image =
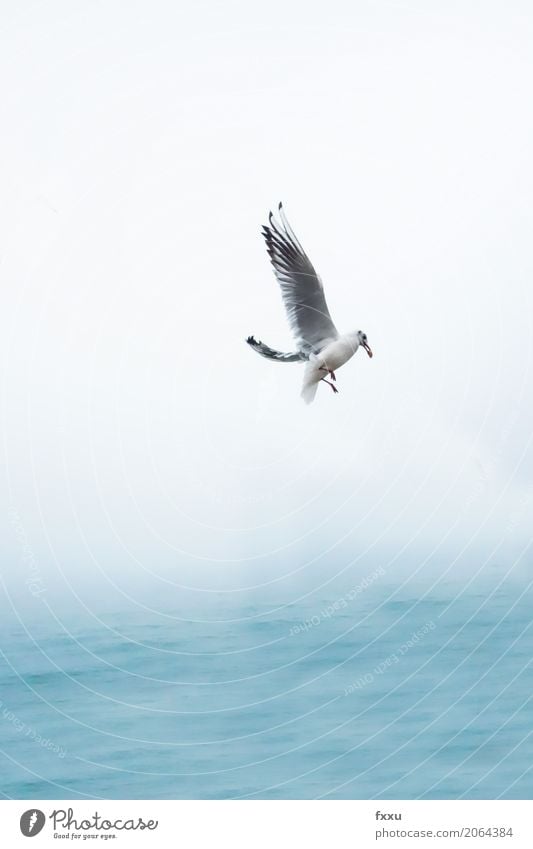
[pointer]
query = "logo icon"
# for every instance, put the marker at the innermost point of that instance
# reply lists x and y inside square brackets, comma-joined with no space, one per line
[32,822]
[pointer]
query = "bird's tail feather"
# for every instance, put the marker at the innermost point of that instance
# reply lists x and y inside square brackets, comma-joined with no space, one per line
[271,354]
[310,384]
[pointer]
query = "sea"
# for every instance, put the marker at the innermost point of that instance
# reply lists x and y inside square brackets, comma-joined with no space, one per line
[361,693]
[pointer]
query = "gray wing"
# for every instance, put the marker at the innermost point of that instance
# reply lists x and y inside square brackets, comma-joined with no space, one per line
[301,287]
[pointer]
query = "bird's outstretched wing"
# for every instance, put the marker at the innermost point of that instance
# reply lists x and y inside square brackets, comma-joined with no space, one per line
[301,287]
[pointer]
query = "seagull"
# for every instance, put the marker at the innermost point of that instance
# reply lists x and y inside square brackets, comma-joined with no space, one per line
[318,342]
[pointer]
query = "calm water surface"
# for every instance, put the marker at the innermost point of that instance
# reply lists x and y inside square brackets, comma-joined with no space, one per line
[339,697]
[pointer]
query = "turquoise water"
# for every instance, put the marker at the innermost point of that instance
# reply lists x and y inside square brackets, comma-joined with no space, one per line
[357,694]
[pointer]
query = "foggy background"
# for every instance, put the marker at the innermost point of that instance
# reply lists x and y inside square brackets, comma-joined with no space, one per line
[151,458]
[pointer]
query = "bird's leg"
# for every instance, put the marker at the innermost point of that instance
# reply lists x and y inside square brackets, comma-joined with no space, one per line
[331,374]
[336,391]
[328,371]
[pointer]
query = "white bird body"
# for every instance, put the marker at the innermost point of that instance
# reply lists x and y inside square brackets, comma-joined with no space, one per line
[318,341]
[330,358]
[337,352]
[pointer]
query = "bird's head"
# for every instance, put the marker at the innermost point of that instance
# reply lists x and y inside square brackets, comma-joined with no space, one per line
[361,337]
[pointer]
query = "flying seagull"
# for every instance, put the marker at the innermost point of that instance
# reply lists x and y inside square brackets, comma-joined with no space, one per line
[318,342]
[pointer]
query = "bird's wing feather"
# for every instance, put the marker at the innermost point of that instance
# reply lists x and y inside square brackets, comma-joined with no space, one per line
[301,287]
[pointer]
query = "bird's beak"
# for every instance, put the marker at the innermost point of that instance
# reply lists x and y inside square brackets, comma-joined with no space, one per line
[368,349]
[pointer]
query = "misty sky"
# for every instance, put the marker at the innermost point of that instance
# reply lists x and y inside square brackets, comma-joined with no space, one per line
[148,449]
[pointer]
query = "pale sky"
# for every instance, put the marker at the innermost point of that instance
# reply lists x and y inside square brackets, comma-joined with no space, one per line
[148,448]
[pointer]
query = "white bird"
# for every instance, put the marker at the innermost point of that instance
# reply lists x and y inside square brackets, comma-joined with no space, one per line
[318,341]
